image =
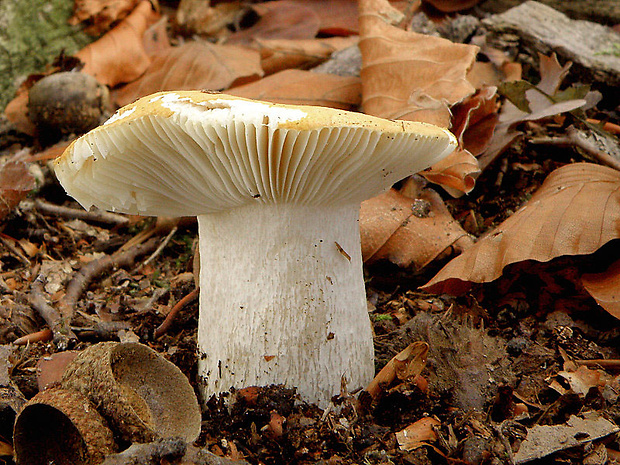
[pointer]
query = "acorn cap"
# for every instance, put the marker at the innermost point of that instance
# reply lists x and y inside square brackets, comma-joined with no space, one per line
[189,153]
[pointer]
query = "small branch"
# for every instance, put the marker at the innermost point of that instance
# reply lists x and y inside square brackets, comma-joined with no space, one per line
[161,247]
[8,243]
[82,279]
[59,325]
[165,326]
[574,138]
[603,363]
[96,216]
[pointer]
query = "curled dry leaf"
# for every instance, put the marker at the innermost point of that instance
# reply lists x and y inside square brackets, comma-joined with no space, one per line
[299,87]
[574,212]
[280,54]
[280,19]
[199,17]
[407,231]
[194,65]
[100,14]
[450,6]
[16,182]
[404,366]
[406,75]
[473,121]
[418,434]
[605,288]
[119,56]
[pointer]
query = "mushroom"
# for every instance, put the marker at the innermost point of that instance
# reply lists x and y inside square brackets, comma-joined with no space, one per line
[277,191]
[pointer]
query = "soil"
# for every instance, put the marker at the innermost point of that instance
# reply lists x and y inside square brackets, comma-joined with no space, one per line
[493,352]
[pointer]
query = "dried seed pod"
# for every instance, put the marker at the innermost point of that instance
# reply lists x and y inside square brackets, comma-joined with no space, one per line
[61,427]
[142,395]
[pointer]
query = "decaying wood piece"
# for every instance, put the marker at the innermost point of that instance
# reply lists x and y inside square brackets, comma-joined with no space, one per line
[594,49]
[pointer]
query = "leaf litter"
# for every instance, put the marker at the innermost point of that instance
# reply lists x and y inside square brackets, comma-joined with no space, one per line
[507,355]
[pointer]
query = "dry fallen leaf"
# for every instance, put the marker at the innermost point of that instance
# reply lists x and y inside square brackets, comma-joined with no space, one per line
[280,54]
[194,65]
[605,288]
[450,6]
[299,87]
[16,182]
[337,17]
[418,434]
[280,19]
[575,212]
[406,75]
[535,103]
[407,231]
[474,121]
[119,56]
[100,14]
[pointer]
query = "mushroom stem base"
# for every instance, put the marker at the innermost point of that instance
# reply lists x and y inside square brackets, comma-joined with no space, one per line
[282,300]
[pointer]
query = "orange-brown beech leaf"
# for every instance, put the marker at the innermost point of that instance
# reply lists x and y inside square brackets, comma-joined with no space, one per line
[450,6]
[418,434]
[16,182]
[406,75]
[194,65]
[407,231]
[16,112]
[473,123]
[337,17]
[575,212]
[119,56]
[605,288]
[100,14]
[298,87]
[280,19]
[280,54]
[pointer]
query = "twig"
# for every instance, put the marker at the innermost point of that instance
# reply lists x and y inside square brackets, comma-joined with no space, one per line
[603,363]
[96,216]
[82,279]
[57,323]
[162,328]
[574,138]
[161,247]
[9,245]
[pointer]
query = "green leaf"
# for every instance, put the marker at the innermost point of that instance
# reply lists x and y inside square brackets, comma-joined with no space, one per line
[514,91]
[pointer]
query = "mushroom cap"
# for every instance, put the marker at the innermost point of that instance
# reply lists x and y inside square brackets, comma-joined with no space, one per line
[190,153]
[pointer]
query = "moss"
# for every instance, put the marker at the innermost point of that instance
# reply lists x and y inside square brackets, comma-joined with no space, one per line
[32,34]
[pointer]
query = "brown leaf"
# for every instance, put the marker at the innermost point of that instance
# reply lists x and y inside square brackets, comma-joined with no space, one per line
[50,369]
[450,6]
[473,121]
[605,288]
[280,54]
[575,212]
[407,231]
[337,17]
[299,87]
[406,75]
[119,56]
[155,38]
[16,182]
[540,106]
[418,434]
[280,19]
[100,14]
[194,65]
[199,17]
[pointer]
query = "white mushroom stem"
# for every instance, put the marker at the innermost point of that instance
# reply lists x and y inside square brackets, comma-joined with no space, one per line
[282,300]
